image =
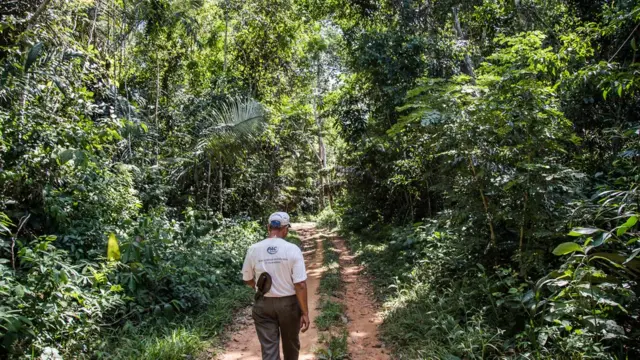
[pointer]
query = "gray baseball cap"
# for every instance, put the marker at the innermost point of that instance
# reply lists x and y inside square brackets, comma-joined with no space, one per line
[279,219]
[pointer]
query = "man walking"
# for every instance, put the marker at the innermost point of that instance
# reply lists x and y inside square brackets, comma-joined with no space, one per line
[275,268]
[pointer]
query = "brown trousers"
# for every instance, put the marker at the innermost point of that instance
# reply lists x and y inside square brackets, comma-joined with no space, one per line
[275,317]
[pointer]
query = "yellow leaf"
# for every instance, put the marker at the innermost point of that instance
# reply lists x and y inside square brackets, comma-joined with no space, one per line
[113,250]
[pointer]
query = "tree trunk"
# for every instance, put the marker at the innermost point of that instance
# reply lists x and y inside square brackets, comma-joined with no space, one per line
[93,23]
[157,105]
[522,224]
[36,15]
[226,32]
[468,64]
[485,203]
[208,187]
[322,150]
[221,179]
[195,184]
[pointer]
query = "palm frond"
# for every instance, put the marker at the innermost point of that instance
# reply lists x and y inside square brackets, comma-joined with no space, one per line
[237,119]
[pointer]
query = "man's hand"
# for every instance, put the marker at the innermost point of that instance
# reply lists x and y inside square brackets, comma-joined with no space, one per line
[301,294]
[304,322]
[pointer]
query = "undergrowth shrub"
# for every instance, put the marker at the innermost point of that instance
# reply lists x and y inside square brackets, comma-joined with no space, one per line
[52,302]
[328,218]
[56,304]
[179,337]
[442,302]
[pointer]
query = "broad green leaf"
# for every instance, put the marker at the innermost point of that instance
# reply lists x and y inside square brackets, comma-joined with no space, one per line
[566,248]
[622,229]
[65,155]
[631,221]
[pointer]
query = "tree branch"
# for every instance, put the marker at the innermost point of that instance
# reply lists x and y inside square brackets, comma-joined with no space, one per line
[38,12]
[23,221]
[467,59]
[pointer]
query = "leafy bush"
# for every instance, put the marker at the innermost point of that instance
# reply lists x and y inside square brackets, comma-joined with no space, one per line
[51,302]
[327,218]
[91,200]
[179,337]
[55,302]
[590,303]
[442,303]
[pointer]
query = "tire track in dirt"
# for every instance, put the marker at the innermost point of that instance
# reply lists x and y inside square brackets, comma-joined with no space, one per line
[361,310]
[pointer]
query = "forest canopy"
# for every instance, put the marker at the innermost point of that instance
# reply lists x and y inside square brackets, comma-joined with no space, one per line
[482,157]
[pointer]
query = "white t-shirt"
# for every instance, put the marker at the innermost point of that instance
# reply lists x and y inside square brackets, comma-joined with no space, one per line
[281,259]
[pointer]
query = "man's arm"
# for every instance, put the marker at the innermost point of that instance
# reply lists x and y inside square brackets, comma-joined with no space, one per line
[301,294]
[247,271]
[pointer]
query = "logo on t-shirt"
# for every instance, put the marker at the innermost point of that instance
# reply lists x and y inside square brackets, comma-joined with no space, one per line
[272,250]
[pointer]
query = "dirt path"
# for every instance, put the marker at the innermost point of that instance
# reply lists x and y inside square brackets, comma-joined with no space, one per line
[361,309]
[244,342]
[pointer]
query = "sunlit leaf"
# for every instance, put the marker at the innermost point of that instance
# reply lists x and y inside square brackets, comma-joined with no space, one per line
[622,229]
[113,249]
[583,231]
[566,248]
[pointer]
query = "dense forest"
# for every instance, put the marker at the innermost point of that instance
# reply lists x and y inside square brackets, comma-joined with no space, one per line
[482,157]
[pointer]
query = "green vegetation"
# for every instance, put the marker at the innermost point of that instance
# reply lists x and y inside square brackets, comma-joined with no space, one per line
[332,314]
[482,155]
[294,238]
[328,219]
[336,347]
[175,338]
[141,144]
[490,174]
[331,281]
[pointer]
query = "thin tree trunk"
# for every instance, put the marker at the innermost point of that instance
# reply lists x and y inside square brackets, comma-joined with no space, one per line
[36,15]
[226,34]
[23,103]
[157,105]
[428,199]
[330,190]
[23,221]
[522,223]
[322,151]
[485,203]
[468,64]
[208,187]
[122,40]
[93,23]
[195,182]
[220,178]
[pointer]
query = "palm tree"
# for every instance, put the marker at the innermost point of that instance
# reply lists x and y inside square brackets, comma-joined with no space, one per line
[225,130]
